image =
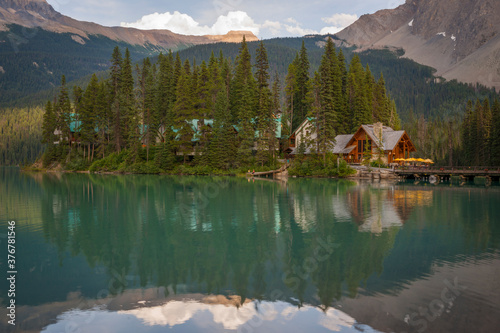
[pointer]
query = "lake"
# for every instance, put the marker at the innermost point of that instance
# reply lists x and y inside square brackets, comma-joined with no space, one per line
[131,253]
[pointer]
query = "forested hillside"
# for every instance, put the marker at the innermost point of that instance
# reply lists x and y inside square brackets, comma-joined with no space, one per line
[33,60]
[421,99]
[217,115]
[20,135]
[412,86]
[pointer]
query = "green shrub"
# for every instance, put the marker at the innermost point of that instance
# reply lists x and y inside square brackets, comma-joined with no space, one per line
[314,165]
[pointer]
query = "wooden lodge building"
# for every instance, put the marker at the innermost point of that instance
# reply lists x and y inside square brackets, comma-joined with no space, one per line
[375,139]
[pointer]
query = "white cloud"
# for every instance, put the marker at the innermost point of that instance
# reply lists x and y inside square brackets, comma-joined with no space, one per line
[341,19]
[184,24]
[295,28]
[273,26]
[236,20]
[330,30]
[299,31]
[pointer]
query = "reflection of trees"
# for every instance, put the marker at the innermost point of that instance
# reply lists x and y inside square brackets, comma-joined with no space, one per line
[212,234]
[229,236]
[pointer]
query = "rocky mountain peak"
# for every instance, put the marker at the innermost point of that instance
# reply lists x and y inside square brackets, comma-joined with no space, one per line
[449,35]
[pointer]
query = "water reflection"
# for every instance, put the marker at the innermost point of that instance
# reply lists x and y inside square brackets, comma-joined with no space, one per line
[225,246]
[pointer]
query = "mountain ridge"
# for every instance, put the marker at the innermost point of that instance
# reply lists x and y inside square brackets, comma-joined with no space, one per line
[460,39]
[40,14]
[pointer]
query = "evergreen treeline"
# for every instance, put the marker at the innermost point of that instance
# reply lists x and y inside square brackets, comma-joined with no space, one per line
[472,140]
[412,86]
[221,115]
[20,135]
[481,134]
[216,111]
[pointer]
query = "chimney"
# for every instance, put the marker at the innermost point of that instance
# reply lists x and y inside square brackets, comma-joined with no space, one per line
[378,131]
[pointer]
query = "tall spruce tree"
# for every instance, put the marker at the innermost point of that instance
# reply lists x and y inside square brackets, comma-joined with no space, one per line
[290,119]
[243,103]
[63,114]
[184,113]
[223,146]
[146,104]
[49,124]
[466,134]
[495,133]
[132,118]
[264,121]
[115,75]
[302,67]
[359,107]
[88,115]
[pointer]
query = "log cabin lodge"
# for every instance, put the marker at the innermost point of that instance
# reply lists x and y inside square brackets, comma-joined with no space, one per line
[379,140]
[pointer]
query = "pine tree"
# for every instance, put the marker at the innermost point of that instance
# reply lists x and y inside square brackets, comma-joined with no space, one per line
[302,77]
[359,108]
[146,104]
[132,118]
[495,134]
[184,113]
[343,117]
[115,75]
[380,101]
[291,121]
[203,107]
[165,90]
[49,125]
[265,123]
[324,109]
[242,103]
[89,114]
[63,114]
[165,158]
[104,116]
[467,145]
[486,133]
[222,147]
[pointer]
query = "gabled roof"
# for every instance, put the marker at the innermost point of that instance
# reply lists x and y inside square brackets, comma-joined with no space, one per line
[341,142]
[390,137]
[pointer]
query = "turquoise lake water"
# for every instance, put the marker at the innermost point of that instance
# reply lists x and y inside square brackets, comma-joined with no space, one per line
[130,253]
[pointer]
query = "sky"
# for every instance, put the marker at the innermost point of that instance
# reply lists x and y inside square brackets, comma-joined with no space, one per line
[265,18]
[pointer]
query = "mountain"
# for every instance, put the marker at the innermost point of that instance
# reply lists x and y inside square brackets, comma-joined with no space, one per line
[459,38]
[38,13]
[38,45]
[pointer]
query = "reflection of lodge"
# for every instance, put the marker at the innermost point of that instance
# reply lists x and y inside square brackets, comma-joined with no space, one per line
[392,208]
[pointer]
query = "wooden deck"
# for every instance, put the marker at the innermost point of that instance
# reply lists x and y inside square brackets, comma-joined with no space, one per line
[447,172]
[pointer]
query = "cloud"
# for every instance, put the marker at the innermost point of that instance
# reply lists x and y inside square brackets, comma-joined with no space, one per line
[296,28]
[184,24]
[236,20]
[339,21]
[330,30]
[273,26]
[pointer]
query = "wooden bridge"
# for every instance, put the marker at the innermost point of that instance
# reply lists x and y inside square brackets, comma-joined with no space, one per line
[450,173]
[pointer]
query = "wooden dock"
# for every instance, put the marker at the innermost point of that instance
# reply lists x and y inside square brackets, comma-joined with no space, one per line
[447,173]
[267,173]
